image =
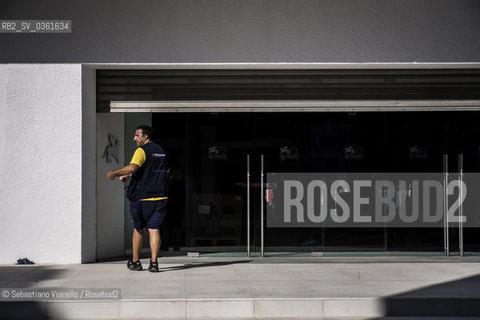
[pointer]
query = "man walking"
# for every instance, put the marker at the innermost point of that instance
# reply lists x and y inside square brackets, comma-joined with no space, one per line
[147,193]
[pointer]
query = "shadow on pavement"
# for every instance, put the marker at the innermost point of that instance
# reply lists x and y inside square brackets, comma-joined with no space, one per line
[24,277]
[202,265]
[459,298]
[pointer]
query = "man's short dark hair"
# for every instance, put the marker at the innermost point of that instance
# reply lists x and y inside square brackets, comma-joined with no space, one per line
[146,131]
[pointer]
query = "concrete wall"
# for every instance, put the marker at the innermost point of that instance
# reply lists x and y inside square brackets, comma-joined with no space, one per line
[88,164]
[110,194]
[253,31]
[41,163]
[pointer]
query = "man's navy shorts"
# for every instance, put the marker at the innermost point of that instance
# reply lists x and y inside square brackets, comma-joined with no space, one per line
[148,214]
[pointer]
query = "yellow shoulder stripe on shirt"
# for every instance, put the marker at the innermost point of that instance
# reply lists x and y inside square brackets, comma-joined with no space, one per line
[139,157]
[154,199]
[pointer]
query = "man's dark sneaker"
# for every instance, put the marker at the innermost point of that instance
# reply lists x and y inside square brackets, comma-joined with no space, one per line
[153,267]
[134,266]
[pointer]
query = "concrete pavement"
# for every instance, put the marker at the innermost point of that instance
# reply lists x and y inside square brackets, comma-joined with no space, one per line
[255,288]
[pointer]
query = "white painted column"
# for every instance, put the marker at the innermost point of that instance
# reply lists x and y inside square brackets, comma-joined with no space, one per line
[41,163]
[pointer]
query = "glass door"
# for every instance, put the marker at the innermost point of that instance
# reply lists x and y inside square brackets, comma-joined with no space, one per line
[319,143]
[216,147]
[289,143]
[419,146]
[466,132]
[211,149]
[218,144]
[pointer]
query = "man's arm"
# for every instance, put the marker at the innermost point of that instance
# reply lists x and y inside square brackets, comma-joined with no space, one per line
[127,170]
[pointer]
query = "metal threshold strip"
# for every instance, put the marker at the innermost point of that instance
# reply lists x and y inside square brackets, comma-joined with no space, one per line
[294,106]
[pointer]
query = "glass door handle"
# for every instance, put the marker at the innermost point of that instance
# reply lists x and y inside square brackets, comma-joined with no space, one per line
[262,221]
[446,242]
[261,208]
[460,209]
[248,205]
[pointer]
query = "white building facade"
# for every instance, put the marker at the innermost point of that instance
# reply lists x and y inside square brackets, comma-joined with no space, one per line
[57,205]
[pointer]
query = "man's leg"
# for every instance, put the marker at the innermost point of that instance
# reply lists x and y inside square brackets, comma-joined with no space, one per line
[155,242]
[137,243]
[153,224]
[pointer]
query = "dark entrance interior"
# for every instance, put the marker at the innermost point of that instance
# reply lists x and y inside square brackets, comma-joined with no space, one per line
[208,159]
